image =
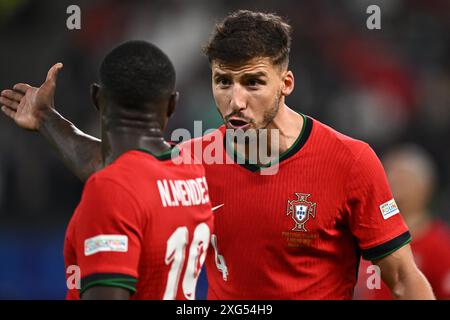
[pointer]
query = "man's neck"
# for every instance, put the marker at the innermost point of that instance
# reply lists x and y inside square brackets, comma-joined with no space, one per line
[116,143]
[289,125]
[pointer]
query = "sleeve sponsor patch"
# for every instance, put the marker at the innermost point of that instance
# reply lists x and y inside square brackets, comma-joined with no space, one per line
[389,209]
[106,243]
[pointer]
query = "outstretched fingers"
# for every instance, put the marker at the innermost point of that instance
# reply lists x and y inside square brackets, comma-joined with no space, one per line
[8,112]
[12,95]
[7,102]
[21,87]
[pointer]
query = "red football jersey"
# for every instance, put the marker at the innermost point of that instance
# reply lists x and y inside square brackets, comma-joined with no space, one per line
[143,223]
[431,251]
[298,234]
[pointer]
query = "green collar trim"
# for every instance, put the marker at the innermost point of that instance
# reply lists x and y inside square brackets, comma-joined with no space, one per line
[165,155]
[296,146]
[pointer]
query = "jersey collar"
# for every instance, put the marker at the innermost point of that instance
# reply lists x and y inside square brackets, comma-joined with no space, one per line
[298,144]
[173,152]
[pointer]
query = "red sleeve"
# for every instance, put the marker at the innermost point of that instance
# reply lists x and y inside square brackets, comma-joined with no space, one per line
[107,235]
[375,220]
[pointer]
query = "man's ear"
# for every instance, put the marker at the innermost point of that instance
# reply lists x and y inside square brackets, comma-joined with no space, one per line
[95,95]
[173,100]
[288,83]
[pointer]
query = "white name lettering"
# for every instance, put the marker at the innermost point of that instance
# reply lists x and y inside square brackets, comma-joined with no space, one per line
[191,192]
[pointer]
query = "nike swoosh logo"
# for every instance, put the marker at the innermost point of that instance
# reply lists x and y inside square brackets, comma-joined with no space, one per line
[217,207]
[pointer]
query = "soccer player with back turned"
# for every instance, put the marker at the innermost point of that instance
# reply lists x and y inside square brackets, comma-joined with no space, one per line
[133,234]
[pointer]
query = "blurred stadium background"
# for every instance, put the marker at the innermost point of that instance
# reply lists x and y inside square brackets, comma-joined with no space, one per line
[386,87]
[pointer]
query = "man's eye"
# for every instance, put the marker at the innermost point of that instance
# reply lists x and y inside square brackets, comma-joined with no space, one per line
[223,82]
[254,82]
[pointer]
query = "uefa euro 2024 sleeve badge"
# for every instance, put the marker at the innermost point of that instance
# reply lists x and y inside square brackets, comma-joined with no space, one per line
[301,209]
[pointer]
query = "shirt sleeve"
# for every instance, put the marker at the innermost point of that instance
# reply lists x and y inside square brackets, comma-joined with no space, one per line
[108,235]
[375,219]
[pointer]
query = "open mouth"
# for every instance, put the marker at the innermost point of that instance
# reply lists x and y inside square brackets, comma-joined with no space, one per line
[238,123]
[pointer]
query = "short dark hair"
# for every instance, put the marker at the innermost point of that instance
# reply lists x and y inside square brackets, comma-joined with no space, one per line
[137,72]
[244,35]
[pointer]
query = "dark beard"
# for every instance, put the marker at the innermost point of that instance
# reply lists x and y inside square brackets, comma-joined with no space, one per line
[270,114]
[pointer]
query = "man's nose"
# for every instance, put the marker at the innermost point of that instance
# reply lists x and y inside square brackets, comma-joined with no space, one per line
[238,98]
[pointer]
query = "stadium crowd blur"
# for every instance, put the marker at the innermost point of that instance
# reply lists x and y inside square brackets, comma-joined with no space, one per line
[387,87]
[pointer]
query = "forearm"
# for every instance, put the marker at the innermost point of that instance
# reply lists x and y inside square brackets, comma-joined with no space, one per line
[404,279]
[80,152]
[412,286]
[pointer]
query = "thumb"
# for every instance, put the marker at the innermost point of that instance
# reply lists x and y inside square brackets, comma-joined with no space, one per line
[52,74]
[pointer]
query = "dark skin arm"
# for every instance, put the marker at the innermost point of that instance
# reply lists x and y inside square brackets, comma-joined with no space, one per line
[33,109]
[106,293]
[80,152]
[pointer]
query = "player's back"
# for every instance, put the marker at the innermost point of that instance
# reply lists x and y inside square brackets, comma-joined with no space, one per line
[144,224]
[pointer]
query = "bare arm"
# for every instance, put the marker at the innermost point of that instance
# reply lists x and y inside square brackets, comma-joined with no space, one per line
[106,293]
[80,152]
[33,109]
[405,280]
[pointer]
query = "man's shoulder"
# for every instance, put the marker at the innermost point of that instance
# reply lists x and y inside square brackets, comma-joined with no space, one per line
[104,180]
[121,173]
[331,140]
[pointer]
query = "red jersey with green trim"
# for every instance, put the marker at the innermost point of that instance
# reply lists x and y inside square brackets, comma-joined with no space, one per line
[143,224]
[298,234]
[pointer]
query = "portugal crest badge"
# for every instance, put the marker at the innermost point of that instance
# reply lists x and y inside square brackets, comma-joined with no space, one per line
[301,209]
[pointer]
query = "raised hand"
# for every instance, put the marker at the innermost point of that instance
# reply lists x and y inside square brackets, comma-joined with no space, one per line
[27,105]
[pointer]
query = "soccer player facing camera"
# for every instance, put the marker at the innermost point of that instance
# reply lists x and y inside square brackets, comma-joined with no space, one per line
[297,233]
